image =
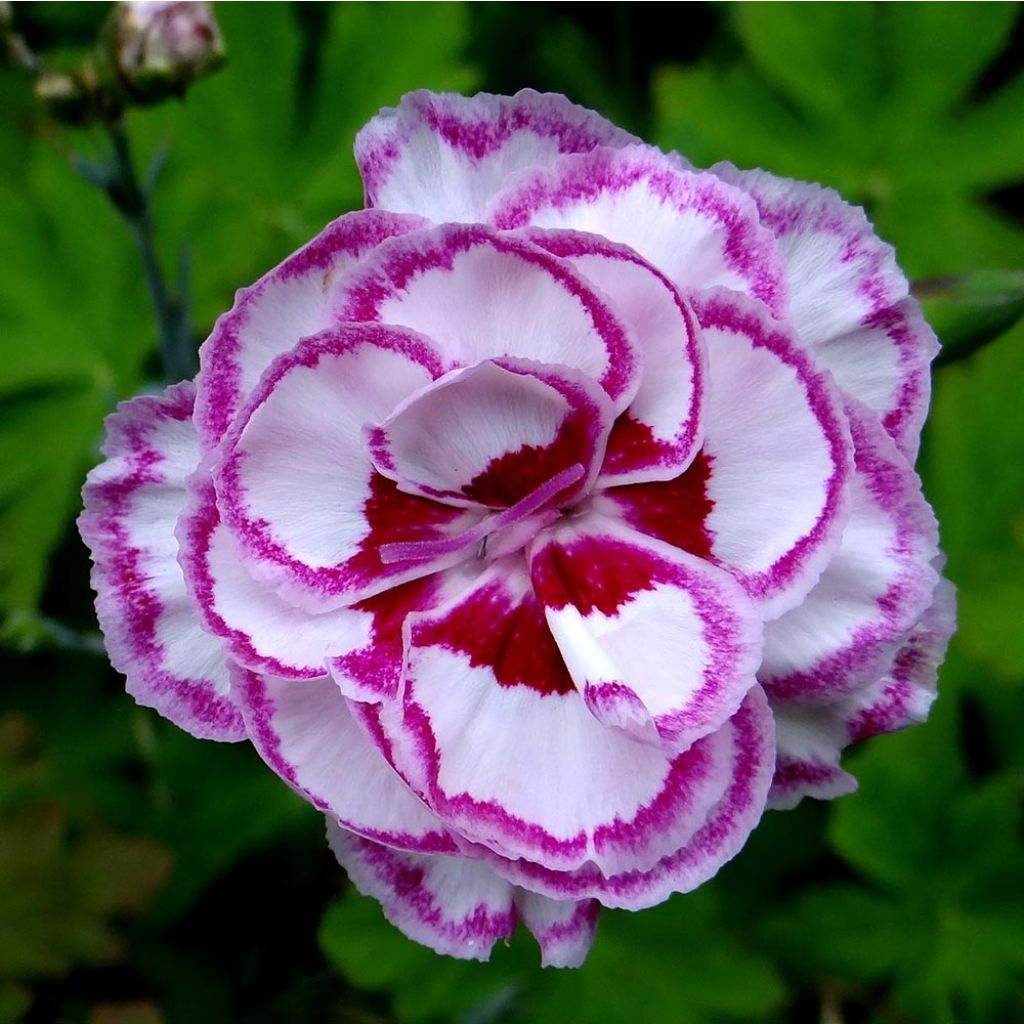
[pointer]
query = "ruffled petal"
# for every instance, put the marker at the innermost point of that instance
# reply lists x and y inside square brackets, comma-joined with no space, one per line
[812,739]
[454,905]
[748,757]
[809,742]
[445,156]
[483,295]
[904,695]
[306,732]
[658,642]
[778,452]
[487,708]
[259,629]
[872,592]
[296,486]
[564,929]
[494,433]
[153,634]
[696,229]
[849,300]
[660,432]
[270,316]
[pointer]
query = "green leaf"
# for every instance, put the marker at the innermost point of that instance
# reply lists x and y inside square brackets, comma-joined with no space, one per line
[847,95]
[972,310]
[663,965]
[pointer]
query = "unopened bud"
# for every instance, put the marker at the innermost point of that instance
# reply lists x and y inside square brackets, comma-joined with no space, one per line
[162,46]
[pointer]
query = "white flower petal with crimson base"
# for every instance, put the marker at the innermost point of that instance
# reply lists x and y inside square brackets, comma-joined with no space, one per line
[260,630]
[874,589]
[270,316]
[445,156]
[153,633]
[660,432]
[848,299]
[454,905]
[487,707]
[650,635]
[479,294]
[493,433]
[306,732]
[780,454]
[295,484]
[696,229]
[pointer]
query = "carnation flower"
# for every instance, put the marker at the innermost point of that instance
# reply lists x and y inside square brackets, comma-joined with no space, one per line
[541,523]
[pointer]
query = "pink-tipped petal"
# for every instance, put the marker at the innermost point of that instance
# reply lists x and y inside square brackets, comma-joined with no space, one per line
[153,633]
[848,300]
[494,433]
[904,695]
[651,635]
[483,295]
[873,591]
[305,731]
[454,905]
[696,229]
[749,757]
[487,708]
[660,433]
[564,929]
[809,742]
[270,316]
[259,629]
[445,156]
[296,486]
[779,450]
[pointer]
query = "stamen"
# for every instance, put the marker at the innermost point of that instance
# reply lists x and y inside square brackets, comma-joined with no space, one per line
[423,550]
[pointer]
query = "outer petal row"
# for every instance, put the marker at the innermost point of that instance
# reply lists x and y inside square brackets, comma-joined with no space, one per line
[848,299]
[132,502]
[444,156]
[460,906]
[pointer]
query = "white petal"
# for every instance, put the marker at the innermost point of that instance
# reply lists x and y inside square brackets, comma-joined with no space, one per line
[153,633]
[444,156]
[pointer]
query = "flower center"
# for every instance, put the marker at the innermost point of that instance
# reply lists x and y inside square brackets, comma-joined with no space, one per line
[498,533]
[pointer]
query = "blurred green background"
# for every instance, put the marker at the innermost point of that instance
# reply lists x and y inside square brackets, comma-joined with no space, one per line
[148,878]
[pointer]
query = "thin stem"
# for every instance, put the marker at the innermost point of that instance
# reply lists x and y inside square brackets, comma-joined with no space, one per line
[133,203]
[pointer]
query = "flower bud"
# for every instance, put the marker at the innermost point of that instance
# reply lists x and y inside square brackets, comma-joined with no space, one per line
[162,46]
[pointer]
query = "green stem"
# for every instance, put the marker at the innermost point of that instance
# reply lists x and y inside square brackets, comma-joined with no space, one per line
[133,203]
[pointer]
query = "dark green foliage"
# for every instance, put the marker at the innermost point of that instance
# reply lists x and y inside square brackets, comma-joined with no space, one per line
[148,878]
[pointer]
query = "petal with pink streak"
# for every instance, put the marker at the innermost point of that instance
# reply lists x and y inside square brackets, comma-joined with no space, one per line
[779,451]
[872,592]
[696,229]
[259,629]
[809,742]
[660,432]
[749,759]
[652,636]
[286,304]
[493,433]
[482,295]
[305,731]
[564,929]
[904,695]
[296,486]
[153,634]
[454,905]
[445,156]
[487,708]
[849,300]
